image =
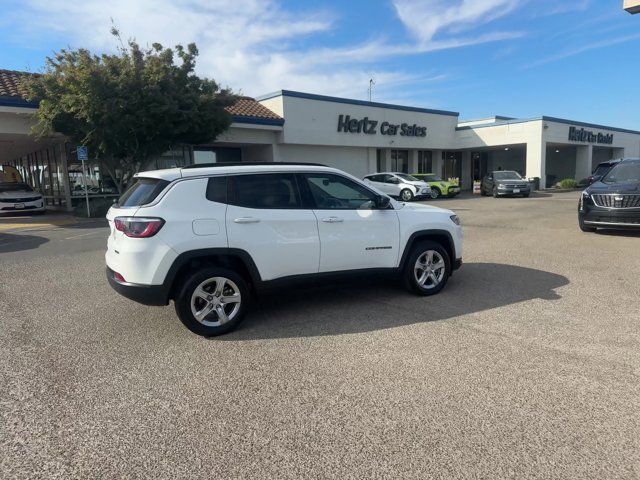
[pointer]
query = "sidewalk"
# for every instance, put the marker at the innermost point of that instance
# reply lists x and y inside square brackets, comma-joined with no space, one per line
[45,222]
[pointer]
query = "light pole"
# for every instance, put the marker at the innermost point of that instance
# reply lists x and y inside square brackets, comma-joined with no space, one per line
[372,82]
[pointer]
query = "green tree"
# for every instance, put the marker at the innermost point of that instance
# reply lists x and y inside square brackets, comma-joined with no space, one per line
[130,106]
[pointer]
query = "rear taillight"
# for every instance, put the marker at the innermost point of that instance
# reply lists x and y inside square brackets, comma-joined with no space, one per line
[119,278]
[138,227]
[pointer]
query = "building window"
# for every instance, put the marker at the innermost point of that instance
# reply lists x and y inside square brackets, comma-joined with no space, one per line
[380,160]
[425,161]
[400,161]
[451,165]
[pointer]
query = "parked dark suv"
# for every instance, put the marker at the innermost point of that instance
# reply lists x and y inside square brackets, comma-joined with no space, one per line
[505,182]
[614,200]
[601,170]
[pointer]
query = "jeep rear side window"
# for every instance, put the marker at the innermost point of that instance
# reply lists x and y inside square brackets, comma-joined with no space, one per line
[217,189]
[142,192]
[265,191]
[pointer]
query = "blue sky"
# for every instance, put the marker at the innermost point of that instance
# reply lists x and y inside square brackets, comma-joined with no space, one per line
[523,58]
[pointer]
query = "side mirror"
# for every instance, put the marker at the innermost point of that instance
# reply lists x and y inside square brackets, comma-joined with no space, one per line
[383,203]
[594,179]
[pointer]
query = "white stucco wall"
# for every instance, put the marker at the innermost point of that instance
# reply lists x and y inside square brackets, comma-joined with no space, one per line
[315,122]
[249,133]
[559,133]
[357,161]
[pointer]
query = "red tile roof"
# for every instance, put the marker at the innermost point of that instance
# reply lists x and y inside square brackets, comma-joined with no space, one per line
[10,82]
[246,108]
[249,107]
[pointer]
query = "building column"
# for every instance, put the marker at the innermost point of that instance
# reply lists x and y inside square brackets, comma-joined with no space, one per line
[372,160]
[275,152]
[65,175]
[436,162]
[537,161]
[386,159]
[466,182]
[584,160]
[413,161]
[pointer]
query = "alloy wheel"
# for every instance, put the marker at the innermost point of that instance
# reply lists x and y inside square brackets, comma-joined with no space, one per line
[406,195]
[429,269]
[215,301]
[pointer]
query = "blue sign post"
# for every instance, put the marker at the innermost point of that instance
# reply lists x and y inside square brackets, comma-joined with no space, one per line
[83,153]
[83,156]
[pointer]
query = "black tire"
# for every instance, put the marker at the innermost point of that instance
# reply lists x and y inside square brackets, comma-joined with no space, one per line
[584,227]
[435,192]
[495,192]
[409,276]
[406,193]
[483,192]
[525,195]
[184,298]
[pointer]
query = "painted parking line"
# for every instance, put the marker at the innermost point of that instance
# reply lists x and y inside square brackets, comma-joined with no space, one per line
[22,226]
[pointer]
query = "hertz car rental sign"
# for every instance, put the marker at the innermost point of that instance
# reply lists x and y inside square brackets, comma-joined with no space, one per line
[347,124]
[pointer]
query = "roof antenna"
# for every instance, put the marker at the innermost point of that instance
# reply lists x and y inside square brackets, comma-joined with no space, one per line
[372,82]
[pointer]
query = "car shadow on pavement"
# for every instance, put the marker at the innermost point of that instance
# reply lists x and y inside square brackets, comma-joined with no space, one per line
[377,304]
[11,242]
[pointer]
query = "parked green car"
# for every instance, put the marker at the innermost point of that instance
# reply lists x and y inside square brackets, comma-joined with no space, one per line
[439,187]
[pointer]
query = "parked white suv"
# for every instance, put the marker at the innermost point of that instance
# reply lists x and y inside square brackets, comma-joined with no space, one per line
[209,237]
[399,185]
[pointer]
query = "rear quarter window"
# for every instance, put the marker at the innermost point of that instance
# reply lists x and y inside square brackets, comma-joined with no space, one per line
[142,192]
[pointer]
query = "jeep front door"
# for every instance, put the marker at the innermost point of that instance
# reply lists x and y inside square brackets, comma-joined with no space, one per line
[354,234]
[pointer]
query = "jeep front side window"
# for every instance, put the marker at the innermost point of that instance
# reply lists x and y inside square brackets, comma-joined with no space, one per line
[335,192]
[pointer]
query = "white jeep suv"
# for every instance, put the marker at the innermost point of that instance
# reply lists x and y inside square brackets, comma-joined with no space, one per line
[209,237]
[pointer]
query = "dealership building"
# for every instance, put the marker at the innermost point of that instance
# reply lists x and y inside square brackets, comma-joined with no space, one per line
[359,137]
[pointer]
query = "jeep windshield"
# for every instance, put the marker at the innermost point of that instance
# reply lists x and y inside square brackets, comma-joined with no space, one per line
[624,172]
[506,175]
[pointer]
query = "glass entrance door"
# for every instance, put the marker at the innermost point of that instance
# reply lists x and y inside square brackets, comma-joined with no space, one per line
[400,161]
[451,165]
[479,165]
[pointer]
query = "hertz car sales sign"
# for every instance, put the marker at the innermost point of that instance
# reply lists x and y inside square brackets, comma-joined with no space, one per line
[582,135]
[347,124]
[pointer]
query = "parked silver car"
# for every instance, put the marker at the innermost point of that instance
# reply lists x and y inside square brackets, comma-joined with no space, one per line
[400,185]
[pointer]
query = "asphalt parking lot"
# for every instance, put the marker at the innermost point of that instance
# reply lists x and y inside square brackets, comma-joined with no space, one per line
[526,366]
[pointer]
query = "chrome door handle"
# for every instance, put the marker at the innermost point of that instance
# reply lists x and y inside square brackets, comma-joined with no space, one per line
[246,220]
[332,220]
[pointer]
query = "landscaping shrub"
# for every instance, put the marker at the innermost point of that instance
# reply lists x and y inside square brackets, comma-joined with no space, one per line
[97,206]
[568,183]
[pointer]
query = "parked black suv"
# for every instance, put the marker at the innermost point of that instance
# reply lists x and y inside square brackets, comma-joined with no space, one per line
[614,200]
[601,170]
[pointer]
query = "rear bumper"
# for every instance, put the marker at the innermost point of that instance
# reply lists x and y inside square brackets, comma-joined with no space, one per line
[146,294]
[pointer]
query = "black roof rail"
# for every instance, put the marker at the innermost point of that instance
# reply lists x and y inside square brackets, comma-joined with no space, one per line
[250,164]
